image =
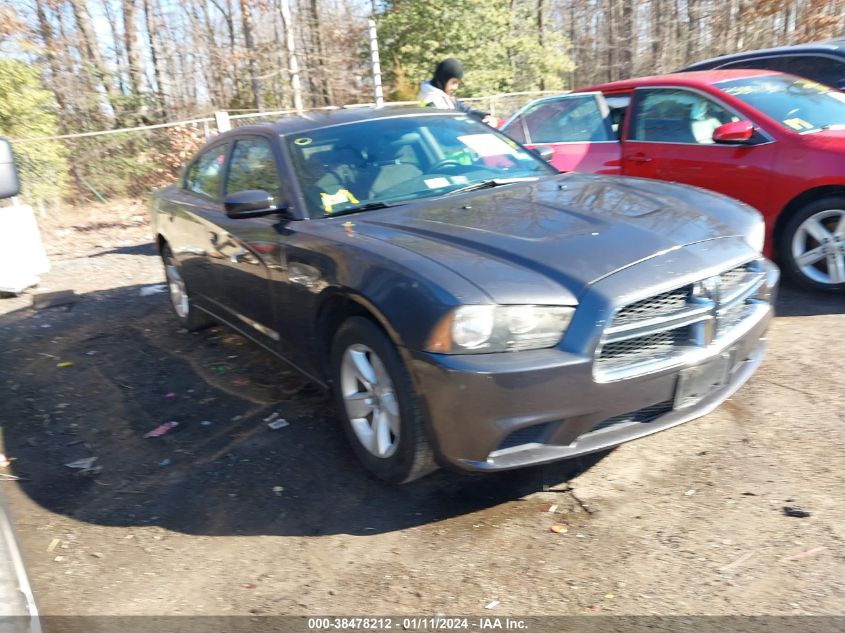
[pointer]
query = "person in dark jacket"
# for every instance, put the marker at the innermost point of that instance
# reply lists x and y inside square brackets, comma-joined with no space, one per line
[439,91]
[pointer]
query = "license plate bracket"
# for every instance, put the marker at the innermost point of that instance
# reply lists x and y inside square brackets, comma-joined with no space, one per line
[696,383]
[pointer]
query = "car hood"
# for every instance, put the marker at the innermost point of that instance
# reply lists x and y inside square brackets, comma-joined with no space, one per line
[573,229]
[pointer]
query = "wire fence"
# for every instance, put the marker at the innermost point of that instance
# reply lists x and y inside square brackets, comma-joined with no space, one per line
[130,162]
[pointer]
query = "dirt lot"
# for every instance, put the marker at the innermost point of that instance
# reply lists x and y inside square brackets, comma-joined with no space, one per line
[225,516]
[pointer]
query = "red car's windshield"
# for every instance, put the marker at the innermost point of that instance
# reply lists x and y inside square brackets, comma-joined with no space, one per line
[798,104]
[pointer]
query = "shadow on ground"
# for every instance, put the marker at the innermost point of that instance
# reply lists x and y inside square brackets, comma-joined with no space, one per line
[793,301]
[221,471]
[147,248]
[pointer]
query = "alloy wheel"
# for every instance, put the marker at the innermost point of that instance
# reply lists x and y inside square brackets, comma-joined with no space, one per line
[178,291]
[818,247]
[370,400]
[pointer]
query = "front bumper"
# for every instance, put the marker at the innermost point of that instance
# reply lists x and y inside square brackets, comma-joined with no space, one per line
[551,401]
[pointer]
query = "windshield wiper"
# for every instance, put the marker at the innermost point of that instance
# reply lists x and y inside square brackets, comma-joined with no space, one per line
[834,126]
[370,206]
[493,182]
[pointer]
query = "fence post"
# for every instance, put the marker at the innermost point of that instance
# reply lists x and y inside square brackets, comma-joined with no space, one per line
[376,63]
[221,120]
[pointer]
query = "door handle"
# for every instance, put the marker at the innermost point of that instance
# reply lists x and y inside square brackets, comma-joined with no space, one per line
[639,158]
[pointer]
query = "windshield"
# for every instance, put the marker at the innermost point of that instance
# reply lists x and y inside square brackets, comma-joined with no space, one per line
[399,159]
[798,104]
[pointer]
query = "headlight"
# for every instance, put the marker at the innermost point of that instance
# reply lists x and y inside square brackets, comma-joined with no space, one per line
[492,328]
[757,236]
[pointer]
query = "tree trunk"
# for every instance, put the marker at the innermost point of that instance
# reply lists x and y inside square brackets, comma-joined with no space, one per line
[249,41]
[46,32]
[293,61]
[133,51]
[155,54]
[626,40]
[540,36]
[322,63]
[119,51]
[92,53]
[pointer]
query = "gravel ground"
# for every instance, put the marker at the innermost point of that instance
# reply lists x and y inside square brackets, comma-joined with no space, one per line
[225,516]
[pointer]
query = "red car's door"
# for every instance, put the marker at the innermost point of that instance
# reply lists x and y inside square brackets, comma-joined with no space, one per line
[577,127]
[670,137]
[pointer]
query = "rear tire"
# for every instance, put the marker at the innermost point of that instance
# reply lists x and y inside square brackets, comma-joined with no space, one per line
[191,317]
[381,413]
[812,245]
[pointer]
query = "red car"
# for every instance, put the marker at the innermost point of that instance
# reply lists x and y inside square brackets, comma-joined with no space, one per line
[772,140]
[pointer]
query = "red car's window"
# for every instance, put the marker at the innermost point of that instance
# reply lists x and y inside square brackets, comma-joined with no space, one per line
[797,104]
[678,116]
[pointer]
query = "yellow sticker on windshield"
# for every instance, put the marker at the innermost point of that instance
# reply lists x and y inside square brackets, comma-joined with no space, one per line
[302,141]
[798,124]
[340,197]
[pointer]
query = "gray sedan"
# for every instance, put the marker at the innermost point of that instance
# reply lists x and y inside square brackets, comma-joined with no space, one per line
[467,305]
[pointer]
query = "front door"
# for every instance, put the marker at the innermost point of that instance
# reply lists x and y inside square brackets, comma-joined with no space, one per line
[578,128]
[249,248]
[670,137]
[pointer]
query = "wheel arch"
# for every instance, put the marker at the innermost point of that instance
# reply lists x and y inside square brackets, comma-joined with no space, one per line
[799,202]
[336,307]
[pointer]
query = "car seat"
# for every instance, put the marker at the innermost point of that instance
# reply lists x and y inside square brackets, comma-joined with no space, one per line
[667,122]
[387,166]
[703,123]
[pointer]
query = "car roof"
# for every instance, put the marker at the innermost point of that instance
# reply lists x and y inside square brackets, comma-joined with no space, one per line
[835,46]
[693,79]
[310,121]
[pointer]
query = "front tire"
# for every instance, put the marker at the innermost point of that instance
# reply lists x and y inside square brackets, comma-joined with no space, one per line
[381,414]
[812,245]
[191,318]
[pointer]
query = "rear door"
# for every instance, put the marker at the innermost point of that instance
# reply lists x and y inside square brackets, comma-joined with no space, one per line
[190,218]
[578,127]
[670,137]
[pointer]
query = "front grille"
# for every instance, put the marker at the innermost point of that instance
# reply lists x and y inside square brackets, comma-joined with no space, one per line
[734,278]
[634,351]
[658,305]
[641,416]
[654,332]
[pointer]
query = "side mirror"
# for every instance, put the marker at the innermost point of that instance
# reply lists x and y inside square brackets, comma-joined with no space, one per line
[737,132]
[10,185]
[252,203]
[545,152]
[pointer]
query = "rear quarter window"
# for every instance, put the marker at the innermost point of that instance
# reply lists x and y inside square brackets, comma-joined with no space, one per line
[205,173]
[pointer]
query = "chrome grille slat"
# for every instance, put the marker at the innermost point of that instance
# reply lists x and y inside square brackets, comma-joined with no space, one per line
[659,305]
[651,332]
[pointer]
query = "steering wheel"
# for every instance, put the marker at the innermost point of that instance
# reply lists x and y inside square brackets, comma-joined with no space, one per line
[446,162]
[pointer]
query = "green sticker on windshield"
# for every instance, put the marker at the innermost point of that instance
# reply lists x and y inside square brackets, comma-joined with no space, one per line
[303,141]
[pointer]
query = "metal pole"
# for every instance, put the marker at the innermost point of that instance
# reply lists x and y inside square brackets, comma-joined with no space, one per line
[293,62]
[376,64]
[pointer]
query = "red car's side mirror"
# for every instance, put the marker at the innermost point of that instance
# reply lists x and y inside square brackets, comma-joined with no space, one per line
[735,132]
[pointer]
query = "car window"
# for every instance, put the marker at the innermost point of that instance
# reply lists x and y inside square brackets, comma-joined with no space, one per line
[204,174]
[403,158]
[678,116]
[826,70]
[618,105]
[799,105]
[569,119]
[252,166]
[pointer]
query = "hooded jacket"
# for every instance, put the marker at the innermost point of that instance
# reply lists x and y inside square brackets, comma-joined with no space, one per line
[430,96]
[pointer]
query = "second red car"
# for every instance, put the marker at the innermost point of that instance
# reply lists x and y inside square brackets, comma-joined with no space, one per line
[771,140]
